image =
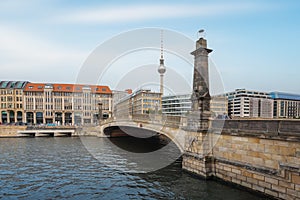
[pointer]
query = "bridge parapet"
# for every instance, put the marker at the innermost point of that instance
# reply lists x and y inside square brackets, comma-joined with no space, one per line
[273,129]
[162,120]
[263,155]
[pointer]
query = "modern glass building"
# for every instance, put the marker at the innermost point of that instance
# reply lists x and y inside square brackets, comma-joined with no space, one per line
[180,105]
[176,105]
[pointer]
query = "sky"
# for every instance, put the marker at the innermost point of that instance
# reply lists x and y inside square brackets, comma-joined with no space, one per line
[255,42]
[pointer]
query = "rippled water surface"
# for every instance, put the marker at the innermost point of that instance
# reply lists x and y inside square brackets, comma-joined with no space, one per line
[48,168]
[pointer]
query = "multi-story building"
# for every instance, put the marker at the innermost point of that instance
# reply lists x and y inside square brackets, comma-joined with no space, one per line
[219,106]
[118,96]
[251,104]
[37,103]
[140,102]
[11,101]
[66,103]
[286,105]
[180,105]
[176,105]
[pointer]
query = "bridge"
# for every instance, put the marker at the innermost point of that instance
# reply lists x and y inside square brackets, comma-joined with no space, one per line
[146,125]
[33,131]
[263,155]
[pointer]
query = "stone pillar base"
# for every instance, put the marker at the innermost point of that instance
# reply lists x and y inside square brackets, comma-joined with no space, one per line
[201,166]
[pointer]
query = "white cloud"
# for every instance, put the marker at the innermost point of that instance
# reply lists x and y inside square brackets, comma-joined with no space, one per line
[20,45]
[31,56]
[133,13]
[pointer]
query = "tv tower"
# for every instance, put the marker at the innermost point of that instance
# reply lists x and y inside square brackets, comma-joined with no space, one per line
[161,69]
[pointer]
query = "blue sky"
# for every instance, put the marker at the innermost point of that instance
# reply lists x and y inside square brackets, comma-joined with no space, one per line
[255,43]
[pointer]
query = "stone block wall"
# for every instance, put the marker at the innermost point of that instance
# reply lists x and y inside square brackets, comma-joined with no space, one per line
[265,165]
[10,131]
[267,162]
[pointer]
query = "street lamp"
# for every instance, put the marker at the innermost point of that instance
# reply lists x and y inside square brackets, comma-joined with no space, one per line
[99,112]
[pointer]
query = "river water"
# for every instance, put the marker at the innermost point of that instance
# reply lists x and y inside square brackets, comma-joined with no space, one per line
[62,167]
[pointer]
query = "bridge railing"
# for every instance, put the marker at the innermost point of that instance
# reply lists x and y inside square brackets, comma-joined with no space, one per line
[44,127]
[257,127]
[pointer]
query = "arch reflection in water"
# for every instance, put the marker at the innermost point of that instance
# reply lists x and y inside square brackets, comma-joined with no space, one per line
[138,155]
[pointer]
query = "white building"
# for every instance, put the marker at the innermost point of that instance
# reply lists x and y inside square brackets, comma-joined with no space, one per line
[176,105]
[180,105]
[250,104]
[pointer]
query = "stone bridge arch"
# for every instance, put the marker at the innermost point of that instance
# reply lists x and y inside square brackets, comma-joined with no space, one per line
[175,134]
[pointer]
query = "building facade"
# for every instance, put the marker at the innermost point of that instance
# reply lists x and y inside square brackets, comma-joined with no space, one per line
[140,102]
[250,104]
[118,96]
[11,101]
[181,105]
[66,103]
[219,106]
[286,105]
[63,104]
[176,105]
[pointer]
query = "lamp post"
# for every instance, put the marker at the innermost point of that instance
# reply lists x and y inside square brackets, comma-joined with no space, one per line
[99,112]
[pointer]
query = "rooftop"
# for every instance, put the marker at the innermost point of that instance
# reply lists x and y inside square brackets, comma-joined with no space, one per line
[282,95]
[60,87]
[12,84]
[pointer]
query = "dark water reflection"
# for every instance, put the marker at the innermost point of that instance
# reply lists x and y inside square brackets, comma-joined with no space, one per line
[48,168]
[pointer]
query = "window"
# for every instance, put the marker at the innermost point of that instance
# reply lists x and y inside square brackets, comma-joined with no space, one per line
[30,87]
[103,89]
[40,87]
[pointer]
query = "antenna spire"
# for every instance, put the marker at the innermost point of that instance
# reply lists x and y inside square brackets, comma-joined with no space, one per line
[162,47]
[161,69]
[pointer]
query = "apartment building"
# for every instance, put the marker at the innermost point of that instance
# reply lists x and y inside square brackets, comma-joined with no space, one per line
[286,105]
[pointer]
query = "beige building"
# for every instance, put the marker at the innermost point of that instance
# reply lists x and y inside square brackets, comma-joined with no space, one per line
[66,103]
[118,95]
[219,106]
[11,101]
[42,103]
[139,102]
